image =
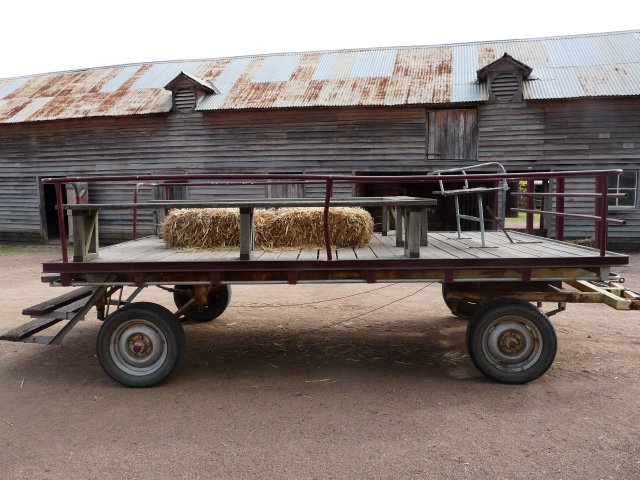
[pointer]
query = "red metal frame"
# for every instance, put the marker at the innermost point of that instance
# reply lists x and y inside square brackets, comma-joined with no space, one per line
[601,195]
[294,271]
[560,208]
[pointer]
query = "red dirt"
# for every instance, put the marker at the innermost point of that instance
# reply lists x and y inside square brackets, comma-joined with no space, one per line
[375,385]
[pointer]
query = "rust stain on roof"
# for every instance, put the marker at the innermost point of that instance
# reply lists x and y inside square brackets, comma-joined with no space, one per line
[567,67]
[212,70]
[422,76]
[11,107]
[486,55]
[312,92]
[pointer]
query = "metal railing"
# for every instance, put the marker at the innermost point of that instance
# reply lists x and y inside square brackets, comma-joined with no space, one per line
[600,196]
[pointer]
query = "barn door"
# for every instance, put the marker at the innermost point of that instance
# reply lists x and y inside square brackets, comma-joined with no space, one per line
[452,141]
[452,134]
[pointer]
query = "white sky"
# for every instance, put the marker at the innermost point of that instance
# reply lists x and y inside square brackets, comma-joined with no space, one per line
[46,36]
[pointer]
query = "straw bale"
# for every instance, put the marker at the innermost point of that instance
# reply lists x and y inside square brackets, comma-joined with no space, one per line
[202,228]
[283,228]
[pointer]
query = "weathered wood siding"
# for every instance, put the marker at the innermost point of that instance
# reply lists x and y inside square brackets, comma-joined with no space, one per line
[567,135]
[314,140]
[529,136]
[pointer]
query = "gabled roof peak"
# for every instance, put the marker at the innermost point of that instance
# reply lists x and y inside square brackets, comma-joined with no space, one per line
[197,82]
[506,62]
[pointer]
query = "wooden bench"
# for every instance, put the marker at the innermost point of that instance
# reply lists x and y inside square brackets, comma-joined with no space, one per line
[410,215]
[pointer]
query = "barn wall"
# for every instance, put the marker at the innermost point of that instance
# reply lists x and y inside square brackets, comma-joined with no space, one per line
[526,136]
[311,141]
[569,135]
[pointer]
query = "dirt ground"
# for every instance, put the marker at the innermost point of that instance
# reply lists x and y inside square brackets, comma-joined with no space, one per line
[322,382]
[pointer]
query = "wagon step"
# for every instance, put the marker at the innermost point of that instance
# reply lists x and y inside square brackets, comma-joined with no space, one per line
[25,333]
[71,307]
[58,302]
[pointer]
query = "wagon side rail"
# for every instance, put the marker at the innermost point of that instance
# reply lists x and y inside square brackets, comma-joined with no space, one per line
[601,217]
[601,195]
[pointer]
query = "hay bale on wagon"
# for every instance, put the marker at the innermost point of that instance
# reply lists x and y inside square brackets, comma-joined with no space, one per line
[303,228]
[274,229]
[202,228]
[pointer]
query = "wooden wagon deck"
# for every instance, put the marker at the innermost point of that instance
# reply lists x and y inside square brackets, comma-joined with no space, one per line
[446,258]
[442,245]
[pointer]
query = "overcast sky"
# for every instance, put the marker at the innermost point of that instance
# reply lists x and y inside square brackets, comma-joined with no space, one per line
[47,36]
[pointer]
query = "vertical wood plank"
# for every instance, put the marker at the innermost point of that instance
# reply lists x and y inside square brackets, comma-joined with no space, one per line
[246,232]
[385,221]
[412,242]
[400,218]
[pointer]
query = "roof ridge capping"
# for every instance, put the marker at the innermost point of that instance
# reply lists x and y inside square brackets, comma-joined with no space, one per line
[334,50]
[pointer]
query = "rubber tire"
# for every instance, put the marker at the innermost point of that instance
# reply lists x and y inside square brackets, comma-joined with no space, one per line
[484,318]
[163,320]
[459,308]
[218,301]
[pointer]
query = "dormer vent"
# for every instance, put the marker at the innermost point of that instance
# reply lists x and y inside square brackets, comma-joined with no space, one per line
[505,86]
[187,90]
[185,100]
[504,79]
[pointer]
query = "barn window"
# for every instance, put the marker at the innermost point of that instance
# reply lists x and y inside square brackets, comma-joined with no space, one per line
[626,183]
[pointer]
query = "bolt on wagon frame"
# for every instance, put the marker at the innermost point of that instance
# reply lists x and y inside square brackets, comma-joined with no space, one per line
[493,278]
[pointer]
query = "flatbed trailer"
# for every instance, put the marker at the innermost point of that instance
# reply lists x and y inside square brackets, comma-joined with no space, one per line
[493,277]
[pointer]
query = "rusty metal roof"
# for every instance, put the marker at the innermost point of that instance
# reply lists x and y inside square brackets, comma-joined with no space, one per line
[593,65]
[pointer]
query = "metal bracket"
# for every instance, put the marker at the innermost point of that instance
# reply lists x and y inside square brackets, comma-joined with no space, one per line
[80,314]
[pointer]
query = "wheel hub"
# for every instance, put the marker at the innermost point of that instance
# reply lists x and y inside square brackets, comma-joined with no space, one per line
[510,343]
[138,345]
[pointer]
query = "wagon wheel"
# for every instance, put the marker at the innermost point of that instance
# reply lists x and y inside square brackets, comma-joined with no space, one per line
[217,302]
[139,344]
[459,307]
[511,341]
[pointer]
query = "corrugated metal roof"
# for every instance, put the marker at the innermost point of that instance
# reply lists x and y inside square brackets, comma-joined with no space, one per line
[123,75]
[374,63]
[9,86]
[276,69]
[162,73]
[28,109]
[594,65]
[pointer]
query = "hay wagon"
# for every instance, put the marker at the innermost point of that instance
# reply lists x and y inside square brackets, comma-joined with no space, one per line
[493,277]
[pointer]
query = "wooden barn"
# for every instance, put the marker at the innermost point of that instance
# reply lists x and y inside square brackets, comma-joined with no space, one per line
[560,103]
